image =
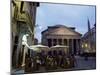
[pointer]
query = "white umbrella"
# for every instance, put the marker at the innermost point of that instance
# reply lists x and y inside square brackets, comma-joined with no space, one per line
[35,49]
[60,47]
[39,47]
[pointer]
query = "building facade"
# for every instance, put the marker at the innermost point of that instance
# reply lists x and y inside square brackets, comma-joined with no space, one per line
[62,35]
[23,16]
[89,41]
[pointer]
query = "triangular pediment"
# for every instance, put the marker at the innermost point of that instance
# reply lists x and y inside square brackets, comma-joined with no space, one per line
[62,31]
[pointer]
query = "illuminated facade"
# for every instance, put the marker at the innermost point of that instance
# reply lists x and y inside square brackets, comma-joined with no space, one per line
[89,41]
[62,35]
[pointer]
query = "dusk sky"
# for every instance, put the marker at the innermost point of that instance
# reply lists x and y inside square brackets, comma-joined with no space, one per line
[49,14]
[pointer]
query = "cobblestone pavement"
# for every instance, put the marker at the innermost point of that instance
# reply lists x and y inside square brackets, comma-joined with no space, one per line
[80,64]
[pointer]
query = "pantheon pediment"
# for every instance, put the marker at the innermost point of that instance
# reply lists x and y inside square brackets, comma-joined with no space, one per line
[61,31]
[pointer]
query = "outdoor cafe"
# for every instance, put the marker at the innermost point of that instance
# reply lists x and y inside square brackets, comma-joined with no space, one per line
[55,57]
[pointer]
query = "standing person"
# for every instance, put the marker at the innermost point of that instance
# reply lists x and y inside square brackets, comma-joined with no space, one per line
[28,65]
[34,64]
[42,57]
[86,56]
[73,60]
[59,60]
[38,62]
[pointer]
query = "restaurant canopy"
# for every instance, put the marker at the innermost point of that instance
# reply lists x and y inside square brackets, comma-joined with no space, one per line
[39,48]
[60,47]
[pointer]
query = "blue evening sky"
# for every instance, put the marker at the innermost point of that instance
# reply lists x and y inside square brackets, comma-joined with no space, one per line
[49,14]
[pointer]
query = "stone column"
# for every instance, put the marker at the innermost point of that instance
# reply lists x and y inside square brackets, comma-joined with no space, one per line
[72,47]
[57,42]
[77,46]
[68,44]
[62,41]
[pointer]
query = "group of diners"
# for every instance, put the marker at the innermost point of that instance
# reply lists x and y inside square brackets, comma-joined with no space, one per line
[49,61]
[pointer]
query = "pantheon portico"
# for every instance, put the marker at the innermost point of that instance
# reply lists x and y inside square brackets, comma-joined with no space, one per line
[62,35]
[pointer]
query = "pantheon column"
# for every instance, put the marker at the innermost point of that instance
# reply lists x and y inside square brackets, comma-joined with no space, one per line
[77,46]
[57,42]
[62,41]
[68,44]
[72,46]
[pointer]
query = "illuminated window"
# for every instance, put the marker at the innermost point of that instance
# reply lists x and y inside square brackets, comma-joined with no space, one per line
[85,44]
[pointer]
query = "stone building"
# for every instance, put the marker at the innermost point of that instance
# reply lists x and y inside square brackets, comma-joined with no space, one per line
[89,41]
[23,15]
[62,35]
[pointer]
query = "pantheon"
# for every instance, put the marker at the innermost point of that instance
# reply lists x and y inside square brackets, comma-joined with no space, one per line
[62,35]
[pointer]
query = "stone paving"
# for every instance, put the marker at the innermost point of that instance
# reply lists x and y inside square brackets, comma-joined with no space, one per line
[81,64]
